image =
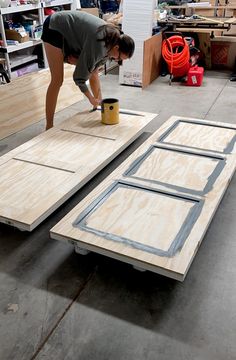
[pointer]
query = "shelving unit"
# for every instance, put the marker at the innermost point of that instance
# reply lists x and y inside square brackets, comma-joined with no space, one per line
[21,46]
[6,50]
[22,59]
[144,66]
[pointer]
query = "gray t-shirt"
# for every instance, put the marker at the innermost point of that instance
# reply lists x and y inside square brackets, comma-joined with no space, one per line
[79,30]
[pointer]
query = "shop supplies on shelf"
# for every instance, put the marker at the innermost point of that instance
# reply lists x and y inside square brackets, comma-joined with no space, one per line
[18,34]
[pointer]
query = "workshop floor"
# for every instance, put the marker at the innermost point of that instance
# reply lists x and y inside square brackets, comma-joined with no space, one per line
[55,304]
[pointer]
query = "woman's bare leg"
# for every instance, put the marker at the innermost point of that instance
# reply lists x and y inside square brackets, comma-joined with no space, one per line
[55,61]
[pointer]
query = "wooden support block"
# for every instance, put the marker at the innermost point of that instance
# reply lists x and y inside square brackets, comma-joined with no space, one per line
[40,175]
[155,208]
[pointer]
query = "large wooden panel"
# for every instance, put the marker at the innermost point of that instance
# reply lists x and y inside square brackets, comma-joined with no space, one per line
[23,100]
[154,210]
[40,175]
[151,59]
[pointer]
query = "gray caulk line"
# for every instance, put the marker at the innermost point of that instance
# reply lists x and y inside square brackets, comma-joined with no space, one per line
[87,134]
[176,245]
[227,149]
[44,165]
[135,166]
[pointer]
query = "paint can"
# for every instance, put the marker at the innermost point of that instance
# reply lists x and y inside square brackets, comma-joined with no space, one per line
[110,111]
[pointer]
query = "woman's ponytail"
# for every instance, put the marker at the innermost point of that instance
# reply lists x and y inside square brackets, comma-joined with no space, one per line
[112,36]
[126,45]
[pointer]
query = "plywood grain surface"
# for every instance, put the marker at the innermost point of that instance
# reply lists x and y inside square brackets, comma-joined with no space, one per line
[23,100]
[155,208]
[38,176]
[176,168]
[201,136]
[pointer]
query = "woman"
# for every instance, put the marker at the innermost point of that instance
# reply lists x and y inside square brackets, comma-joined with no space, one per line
[86,41]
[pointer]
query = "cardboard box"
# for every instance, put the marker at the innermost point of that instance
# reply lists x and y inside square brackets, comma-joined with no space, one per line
[15,35]
[223,52]
[205,47]
[92,11]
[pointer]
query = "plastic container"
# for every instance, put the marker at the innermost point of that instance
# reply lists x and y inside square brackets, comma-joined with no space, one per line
[110,111]
[195,76]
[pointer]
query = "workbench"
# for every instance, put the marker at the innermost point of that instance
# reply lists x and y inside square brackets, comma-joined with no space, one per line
[213,23]
[190,9]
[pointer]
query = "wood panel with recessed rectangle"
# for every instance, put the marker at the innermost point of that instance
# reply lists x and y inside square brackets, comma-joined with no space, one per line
[200,135]
[155,208]
[119,215]
[178,169]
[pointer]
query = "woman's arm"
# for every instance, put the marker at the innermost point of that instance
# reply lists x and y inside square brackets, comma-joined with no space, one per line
[82,74]
[95,85]
[95,102]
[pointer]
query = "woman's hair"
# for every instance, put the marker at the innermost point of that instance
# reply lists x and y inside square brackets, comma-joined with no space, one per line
[113,36]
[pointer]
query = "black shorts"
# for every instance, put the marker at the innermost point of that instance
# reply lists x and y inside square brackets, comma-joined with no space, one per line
[52,37]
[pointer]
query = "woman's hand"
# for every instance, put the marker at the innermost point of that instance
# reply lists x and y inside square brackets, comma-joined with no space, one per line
[95,102]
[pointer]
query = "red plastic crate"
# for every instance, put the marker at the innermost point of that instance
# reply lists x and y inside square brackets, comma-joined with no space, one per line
[195,76]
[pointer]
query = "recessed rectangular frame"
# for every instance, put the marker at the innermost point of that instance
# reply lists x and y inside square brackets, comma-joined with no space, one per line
[177,266]
[178,242]
[228,149]
[131,172]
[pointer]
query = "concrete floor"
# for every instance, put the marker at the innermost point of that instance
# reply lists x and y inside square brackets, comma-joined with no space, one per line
[55,304]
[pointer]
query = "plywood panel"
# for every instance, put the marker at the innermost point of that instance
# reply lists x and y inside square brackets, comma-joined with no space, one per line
[68,150]
[143,214]
[27,189]
[92,125]
[178,169]
[151,59]
[40,175]
[207,136]
[120,215]
[28,94]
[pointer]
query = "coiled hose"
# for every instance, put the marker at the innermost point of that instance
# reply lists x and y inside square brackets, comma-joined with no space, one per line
[175,51]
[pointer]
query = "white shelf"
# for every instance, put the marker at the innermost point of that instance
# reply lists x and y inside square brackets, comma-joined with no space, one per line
[24,45]
[28,7]
[20,8]
[22,59]
[57,3]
